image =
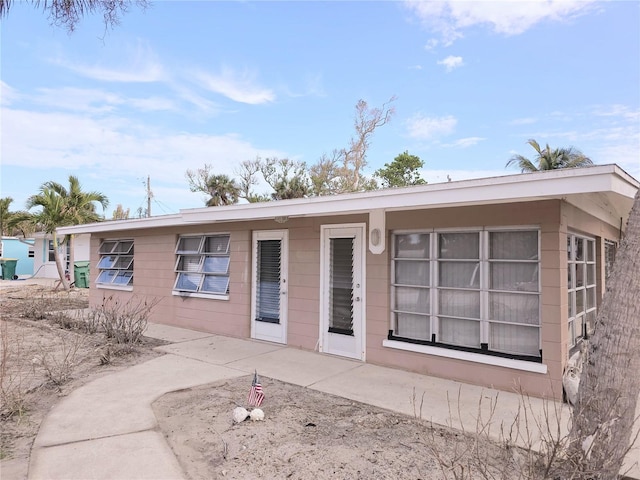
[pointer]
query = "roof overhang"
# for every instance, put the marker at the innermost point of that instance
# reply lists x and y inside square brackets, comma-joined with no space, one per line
[605,191]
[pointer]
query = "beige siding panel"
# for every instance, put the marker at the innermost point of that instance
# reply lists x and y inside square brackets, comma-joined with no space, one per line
[304,317]
[154,275]
[303,293]
[469,372]
[546,215]
[311,281]
[302,305]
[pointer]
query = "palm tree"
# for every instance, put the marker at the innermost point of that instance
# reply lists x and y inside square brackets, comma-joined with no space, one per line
[61,207]
[222,189]
[287,188]
[604,415]
[13,223]
[548,159]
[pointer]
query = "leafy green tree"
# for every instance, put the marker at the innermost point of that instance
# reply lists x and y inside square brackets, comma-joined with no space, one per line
[402,172]
[221,189]
[548,159]
[325,175]
[61,207]
[288,178]
[68,13]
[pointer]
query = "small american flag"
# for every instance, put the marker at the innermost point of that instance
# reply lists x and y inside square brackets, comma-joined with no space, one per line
[256,396]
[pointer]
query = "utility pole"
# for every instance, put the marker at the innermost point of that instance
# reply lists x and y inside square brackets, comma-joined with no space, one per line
[149,195]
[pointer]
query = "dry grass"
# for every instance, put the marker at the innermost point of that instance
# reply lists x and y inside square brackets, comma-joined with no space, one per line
[45,352]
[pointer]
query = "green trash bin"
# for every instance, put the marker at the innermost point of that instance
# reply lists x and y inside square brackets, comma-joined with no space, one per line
[9,268]
[81,274]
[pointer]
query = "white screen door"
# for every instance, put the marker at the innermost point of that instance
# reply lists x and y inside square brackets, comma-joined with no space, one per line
[269,286]
[342,308]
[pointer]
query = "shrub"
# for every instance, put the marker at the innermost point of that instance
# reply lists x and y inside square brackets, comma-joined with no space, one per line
[123,323]
[58,364]
[13,390]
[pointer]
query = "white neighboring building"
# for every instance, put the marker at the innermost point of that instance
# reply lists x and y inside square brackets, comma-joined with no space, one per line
[44,265]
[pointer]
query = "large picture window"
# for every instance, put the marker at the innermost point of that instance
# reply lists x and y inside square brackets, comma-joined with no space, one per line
[581,286]
[472,290]
[116,263]
[202,264]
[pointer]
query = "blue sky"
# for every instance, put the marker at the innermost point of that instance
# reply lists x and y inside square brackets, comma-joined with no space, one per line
[187,83]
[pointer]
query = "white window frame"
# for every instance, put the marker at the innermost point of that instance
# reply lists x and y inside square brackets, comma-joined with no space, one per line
[51,256]
[192,282]
[581,319]
[115,267]
[484,261]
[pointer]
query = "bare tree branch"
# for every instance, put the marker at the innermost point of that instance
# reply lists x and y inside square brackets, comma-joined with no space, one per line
[68,13]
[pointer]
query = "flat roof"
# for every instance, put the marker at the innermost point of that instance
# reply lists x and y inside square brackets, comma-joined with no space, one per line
[605,191]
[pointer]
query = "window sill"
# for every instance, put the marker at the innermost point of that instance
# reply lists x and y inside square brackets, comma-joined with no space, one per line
[467,356]
[199,295]
[122,288]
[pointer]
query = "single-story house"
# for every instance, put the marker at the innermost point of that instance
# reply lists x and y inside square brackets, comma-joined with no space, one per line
[20,249]
[44,265]
[493,281]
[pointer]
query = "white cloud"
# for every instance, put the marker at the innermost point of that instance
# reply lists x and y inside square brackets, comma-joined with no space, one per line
[605,133]
[432,44]
[143,74]
[137,73]
[203,104]
[96,101]
[523,121]
[426,128]
[77,99]
[451,62]
[239,87]
[450,17]
[622,111]
[113,148]
[7,94]
[465,142]
[140,66]
[151,104]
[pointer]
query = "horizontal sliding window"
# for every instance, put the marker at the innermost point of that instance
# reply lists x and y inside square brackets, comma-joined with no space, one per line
[116,263]
[202,264]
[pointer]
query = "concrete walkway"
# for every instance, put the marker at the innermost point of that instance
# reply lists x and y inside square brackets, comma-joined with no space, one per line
[107,430]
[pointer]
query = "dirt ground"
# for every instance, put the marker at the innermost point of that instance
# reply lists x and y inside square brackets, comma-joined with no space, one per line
[305,434]
[43,357]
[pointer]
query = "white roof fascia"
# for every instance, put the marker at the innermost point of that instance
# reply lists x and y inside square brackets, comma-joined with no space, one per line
[514,188]
[559,184]
[119,225]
